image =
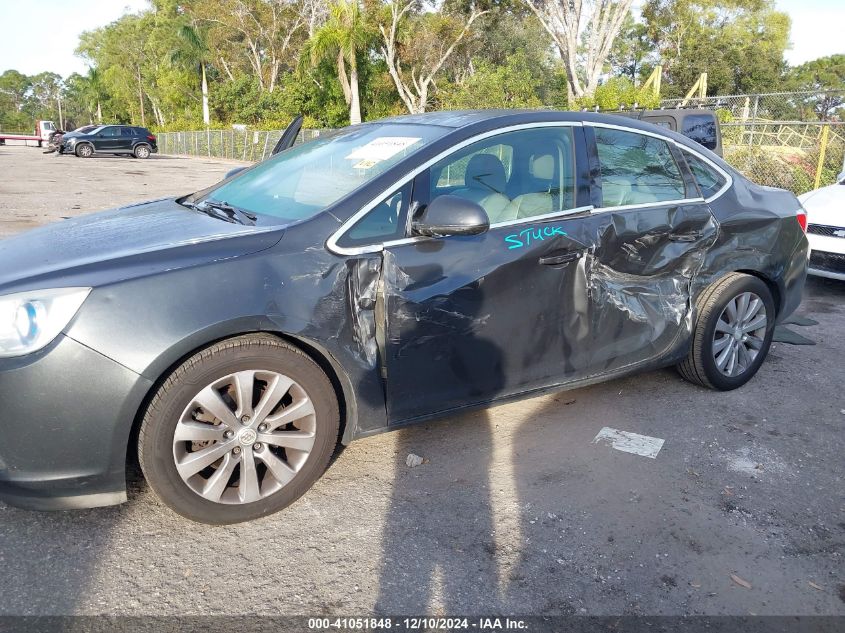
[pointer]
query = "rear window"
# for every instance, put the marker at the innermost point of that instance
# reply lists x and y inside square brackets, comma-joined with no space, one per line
[636,169]
[709,180]
[701,128]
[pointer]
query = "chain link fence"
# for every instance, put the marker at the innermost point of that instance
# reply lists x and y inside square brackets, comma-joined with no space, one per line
[773,106]
[794,155]
[798,156]
[245,145]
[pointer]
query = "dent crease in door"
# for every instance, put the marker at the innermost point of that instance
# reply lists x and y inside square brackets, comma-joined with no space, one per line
[601,295]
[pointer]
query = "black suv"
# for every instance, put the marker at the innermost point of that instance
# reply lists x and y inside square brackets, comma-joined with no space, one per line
[111,139]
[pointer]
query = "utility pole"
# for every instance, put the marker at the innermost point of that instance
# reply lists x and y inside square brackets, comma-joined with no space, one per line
[61,119]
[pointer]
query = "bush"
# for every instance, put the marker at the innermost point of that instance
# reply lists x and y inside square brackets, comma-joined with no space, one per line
[616,93]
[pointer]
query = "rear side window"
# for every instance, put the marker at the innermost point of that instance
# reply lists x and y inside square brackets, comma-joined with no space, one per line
[701,128]
[709,180]
[127,131]
[636,169]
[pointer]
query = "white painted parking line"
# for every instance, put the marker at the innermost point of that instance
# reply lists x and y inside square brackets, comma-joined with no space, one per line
[630,442]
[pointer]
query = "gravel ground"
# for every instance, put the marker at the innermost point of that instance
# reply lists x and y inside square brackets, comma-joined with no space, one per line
[515,511]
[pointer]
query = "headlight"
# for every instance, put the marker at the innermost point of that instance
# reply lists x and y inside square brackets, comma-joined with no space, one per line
[29,321]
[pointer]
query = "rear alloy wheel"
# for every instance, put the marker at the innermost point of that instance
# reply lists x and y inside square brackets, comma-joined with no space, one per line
[84,150]
[733,333]
[239,431]
[141,151]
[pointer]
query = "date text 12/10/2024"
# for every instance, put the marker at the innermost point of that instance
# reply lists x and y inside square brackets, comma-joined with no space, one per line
[417,624]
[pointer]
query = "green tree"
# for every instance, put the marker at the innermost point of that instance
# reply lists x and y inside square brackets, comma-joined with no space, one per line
[826,78]
[738,43]
[633,51]
[14,87]
[342,38]
[513,85]
[194,53]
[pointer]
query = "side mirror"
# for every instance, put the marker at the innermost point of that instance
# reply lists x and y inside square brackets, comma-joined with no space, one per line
[451,215]
[233,172]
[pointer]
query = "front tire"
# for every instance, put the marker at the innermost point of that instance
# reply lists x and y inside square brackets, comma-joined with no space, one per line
[239,431]
[84,150]
[732,334]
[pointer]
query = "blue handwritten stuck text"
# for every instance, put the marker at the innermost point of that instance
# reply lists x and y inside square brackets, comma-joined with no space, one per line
[532,233]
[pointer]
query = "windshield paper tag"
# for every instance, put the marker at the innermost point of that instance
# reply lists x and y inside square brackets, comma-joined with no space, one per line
[382,148]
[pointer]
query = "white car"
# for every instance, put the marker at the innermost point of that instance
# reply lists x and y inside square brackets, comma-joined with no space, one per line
[826,229]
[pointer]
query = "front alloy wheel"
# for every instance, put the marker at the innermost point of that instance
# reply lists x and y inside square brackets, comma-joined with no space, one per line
[244,437]
[84,150]
[240,430]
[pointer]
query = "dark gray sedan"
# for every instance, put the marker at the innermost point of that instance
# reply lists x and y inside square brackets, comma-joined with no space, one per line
[387,274]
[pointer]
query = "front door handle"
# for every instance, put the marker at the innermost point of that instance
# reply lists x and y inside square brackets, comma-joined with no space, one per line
[557,260]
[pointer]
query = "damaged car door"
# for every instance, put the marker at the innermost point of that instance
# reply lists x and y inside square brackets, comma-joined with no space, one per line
[568,284]
[472,318]
[650,229]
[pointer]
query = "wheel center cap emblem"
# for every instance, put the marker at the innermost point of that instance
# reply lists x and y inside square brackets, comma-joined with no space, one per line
[737,335]
[247,437]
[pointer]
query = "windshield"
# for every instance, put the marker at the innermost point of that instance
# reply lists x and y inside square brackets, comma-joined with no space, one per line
[302,181]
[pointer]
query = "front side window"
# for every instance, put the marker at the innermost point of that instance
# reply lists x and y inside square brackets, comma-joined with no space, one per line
[709,180]
[512,176]
[302,181]
[636,169]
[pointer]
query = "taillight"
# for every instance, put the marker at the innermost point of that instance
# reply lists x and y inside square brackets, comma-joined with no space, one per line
[151,138]
[801,214]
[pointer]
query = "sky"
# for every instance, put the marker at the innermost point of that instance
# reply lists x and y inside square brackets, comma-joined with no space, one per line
[48,30]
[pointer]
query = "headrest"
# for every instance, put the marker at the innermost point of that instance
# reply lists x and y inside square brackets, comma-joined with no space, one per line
[485,171]
[543,167]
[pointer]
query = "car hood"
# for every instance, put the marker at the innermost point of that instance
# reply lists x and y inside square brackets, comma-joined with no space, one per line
[116,244]
[825,205]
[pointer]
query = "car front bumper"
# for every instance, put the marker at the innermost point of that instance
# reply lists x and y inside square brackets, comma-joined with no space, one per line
[66,414]
[827,256]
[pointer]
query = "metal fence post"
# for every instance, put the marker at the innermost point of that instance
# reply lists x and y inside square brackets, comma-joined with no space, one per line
[822,150]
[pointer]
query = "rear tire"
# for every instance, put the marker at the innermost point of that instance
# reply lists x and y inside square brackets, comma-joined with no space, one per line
[259,467]
[84,150]
[141,151]
[733,332]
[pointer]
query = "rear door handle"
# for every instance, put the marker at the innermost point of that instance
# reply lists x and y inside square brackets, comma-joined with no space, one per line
[557,260]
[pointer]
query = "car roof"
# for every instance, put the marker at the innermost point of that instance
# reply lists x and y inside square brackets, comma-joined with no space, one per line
[457,119]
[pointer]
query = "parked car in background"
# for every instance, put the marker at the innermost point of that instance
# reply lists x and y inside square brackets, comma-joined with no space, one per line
[826,229]
[56,138]
[110,139]
[700,125]
[393,272]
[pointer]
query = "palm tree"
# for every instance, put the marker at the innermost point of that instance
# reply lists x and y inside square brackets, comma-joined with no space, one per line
[194,52]
[92,94]
[341,37]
